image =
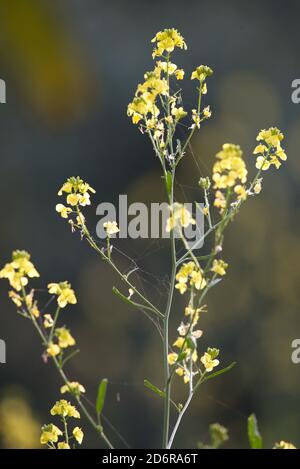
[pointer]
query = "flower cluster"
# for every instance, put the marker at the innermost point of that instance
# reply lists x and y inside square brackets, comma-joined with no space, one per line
[269,150]
[166,41]
[77,194]
[189,275]
[144,105]
[19,270]
[284,445]
[229,173]
[51,433]
[186,359]
[65,409]
[154,107]
[64,340]
[73,387]
[201,73]
[64,292]
[219,267]
[111,228]
[180,218]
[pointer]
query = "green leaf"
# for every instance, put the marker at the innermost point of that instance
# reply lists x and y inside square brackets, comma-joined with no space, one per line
[101,396]
[121,296]
[255,439]
[169,182]
[181,357]
[154,388]
[160,393]
[220,372]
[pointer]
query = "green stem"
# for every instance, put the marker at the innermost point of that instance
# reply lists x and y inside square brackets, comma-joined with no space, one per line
[66,430]
[54,324]
[45,341]
[167,401]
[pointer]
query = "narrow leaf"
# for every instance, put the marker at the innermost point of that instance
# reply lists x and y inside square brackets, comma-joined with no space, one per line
[220,372]
[169,182]
[154,388]
[101,396]
[121,296]
[255,439]
[159,393]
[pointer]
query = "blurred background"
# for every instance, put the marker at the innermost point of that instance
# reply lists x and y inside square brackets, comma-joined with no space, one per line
[71,67]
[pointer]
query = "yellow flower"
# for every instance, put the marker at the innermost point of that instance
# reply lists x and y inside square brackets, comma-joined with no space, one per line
[179,371]
[72,387]
[78,434]
[78,193]
[207,112]
[73,199]
[80,219]
[64,293]
[185,271]
[257,186]
[197,334]
[194,313]
[194,356]
[197,280]
[65,339]
[272,136]
[48,321]
[53,349]
[167,67]
[63,445]
[65,409]
[284,445]
[179,74]
[189,272]
[203,88]
[167,40]
[260,149]
[241,192]
[196,118]
[209,359]
[17,271]
[15,298]
[85,199]
[75,184]
[181,286]
[29,300]
[67,188]
[220,201]
[178,113]
[143,105]
[50,434]
[111,227]
[230,167]
[219,267]
[262,163]
[179,342]
[201,73]
[172,357]
[270,152]
[63,211]
[180,217]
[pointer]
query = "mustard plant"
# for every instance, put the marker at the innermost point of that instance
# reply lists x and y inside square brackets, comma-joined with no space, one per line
[159,113]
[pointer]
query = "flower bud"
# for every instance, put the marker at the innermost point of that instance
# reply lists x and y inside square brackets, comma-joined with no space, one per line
[204,183]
